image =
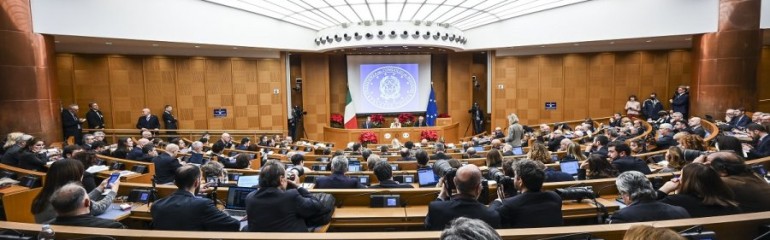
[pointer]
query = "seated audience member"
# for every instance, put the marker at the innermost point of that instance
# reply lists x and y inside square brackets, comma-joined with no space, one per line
[440,155]
[100,148]
[470,153]
[99,136]
[464,228]
[214,169]
[60,173]
[622,160]
[498,133]
[596,167]
[598,146]
[406,155]
[371,160]
[740,120]
[196,153]
[72,207]
[33,156]
[355,149]
[553,175]
[639,196]
[531,207]
[564,144]
[198,214]
[339,167]
[681,126]
[124,147]
[555,140]
[365,153]
[696,127]
[615,120]
[494,159]
[88,159]
[700,191]
[384,174]
[70,150]
[507,150]
[761,147]
[644,232]
[245,143]
[464,204]
[756,117]
[227,141]
[280,205]
[539,152]
[148,153]
[675,158]
[729,143]
[574,153]
[217,151]
[137,151]
[12,144]
[243,161]
[148,135]
[422,158]
[88,140]
[692,142]
[666,138]
[299,161]
[166,165]
[496,144]
[751,191]
[384,150]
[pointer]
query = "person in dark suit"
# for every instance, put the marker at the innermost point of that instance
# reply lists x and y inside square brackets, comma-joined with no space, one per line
[406,155]
[368,123]
[478,118]
[464,204]
[598,146]
[639,196]
[166,165]
[339,166]
[696,127]
[751,192]
[762,147]
[198,214]
[384,174]
[137,152]
[280,205]
[170,121]
[11,154]
[73,208]
[440,153]
[620,153]
[532,207]
[666,138]
[471,153]
[94,117]
[32,157]
[71,124]
[700,191]
[421,122]
[740,120]
[651,107]
[681,101]
[148,122]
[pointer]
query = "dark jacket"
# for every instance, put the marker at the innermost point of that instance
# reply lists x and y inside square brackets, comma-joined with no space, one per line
[165,168]
[530,209]
[741,121]
[552,175]
[169,120]
[392,184]
[135,153]
[10,157]
[681,104]
[182,211]
[695,207]
[629,163]
[751,192]
[70,124]
[274,210]
[665,141]
[337,180]
[439,156]
[762,149]
[153,123]
[95,119]
[651,107]
[440,213]
[643,211]
[602,151]
[32,161]
[698,130]
[86,220]
[89,182]
[554,143]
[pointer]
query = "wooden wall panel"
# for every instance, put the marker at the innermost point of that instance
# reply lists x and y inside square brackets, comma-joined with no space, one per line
[763,81]
[91,84]
[654,76]
[576,87]
[479,69]
[438,74]
[551,86]
[458,83]
[191,95]
[246,94]
[504,90]
[627,78]
[315,77]
[338,83]
[65,78]
[127,90]
[680,73]
[528,103]
[160,87]
[272,113]
[219,92]
[601,80]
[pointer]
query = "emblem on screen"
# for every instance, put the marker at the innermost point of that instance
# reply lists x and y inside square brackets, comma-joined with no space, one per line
[390,87]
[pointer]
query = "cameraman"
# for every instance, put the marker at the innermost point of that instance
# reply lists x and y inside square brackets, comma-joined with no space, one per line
[533,207]
[464,204]
[504,177]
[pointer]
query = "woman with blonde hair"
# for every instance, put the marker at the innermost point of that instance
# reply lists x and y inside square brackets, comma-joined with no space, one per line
[675,158]
[693,142]
[644,232]
[574,152]
[515,131]
[539,152]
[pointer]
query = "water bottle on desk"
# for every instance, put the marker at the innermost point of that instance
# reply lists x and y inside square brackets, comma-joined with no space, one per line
[46,233]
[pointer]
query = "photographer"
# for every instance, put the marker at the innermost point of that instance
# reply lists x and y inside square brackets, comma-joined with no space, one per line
[532,207]
[464,204]
[504,177]
[477,115]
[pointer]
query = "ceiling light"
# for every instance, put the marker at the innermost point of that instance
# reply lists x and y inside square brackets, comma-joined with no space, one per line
[196,46]
[577,44]
[648,41]
[612,42]
[154,44]
[108,43]
[542,45]
[57,41]
[235,47]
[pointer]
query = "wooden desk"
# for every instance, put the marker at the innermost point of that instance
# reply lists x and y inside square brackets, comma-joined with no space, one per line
[12,189]
[362,216]
[340,137]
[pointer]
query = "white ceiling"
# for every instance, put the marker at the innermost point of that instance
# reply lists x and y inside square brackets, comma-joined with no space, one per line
[462,14]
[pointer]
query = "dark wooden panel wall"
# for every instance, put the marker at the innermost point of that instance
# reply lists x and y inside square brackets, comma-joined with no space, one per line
[123,85]
[763,81]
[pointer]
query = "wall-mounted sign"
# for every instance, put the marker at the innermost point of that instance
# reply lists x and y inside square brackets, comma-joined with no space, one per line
[550,105]
[220,112]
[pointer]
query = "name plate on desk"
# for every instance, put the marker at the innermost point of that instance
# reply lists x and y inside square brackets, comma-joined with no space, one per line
[385,201]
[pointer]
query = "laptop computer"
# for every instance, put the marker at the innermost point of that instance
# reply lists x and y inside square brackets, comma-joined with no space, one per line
[363,179]
[426,177]
[518,151]
[354,166]
[478,148]
[570,167]
[248,181]
[236,201]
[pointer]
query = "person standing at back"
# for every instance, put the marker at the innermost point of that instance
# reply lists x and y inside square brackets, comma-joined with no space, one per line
[95,117]
[148,122]
[515,131]
[71,124]
[170,121]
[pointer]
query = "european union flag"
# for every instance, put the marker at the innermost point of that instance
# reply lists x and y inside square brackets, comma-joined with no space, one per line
[432,113]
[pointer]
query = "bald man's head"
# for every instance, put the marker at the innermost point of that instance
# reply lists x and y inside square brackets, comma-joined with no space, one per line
[468,180]
[142,141]
[727,163]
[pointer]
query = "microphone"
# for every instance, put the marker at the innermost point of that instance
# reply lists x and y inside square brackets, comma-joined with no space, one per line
[342,201]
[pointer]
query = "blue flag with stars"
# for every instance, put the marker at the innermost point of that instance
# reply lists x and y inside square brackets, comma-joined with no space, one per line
[432,113]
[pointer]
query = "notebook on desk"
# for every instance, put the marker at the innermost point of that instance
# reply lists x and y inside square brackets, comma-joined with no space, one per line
[236,201]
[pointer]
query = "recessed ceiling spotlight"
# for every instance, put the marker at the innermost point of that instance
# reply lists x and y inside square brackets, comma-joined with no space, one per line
[612,42]
[576,44]
[542,45]
[154,44]
[649,41]
[235,47]
[196,46]
[108,43]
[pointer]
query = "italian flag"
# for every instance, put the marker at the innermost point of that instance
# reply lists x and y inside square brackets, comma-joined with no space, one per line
[350,113]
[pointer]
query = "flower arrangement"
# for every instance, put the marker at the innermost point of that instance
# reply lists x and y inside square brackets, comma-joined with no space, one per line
[443,115]
[368,137]
[406,119]
[430,135]
[377,120]
[337,120]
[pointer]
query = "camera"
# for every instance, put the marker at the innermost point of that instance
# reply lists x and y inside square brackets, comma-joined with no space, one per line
[442,168]
[502,180]
[576,193]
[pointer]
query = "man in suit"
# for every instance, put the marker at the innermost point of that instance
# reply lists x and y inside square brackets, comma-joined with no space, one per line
[226,141]
[532,207]
[598,146]
[651,107]
[762,148]
[368,123]
[406,155]
[639,196]
[73,208]
[338,178]
[384,174]
[467,181]
[148,122]
[620,153]
[477,115]
[696,127]
[751,192]
[681,101]
[136,152]
[666,139]
[95,117]
[440,149]
[555,140]
[88,141]
[170,121]
[470,153]
[197,214]
[741,120]
[280,205]
[166,165]
[420,122]
[71,124]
